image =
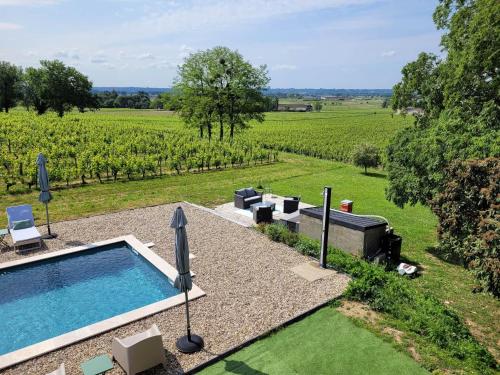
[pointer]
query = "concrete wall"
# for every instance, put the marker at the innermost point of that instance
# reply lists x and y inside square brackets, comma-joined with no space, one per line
[350,240]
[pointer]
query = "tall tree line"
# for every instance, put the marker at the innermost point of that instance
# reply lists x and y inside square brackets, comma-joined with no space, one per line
[53,86]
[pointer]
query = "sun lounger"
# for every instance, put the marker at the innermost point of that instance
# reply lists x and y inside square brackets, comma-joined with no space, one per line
[22,228]
[140,352]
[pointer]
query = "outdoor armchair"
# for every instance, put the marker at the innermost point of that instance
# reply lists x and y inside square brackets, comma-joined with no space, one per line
[263,214]
[22,228]
[290,204]
[140,352]
[243,198]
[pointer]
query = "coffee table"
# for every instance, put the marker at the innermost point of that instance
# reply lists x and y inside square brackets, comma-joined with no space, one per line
[263,204]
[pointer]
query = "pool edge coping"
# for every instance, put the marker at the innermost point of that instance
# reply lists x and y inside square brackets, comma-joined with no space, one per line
[80,334]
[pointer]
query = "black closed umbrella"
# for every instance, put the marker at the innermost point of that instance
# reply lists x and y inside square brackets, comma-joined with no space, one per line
[190,343]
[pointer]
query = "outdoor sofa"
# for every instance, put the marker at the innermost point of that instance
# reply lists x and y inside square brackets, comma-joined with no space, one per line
[140,352]
[243,198]
[22,228]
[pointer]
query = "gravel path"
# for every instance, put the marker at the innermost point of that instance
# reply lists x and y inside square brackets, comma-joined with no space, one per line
[250,288]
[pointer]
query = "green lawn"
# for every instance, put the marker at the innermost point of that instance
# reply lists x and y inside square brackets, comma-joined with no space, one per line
[324,343]
[306,177]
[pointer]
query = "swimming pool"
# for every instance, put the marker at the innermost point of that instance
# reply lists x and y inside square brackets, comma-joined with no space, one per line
[72,290]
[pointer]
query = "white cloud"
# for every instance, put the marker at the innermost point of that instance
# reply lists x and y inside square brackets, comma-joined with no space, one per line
[164,64]
[28,2]
[146,56]
[6,26]
[98,60]
[284,67]
[388,53]
[180,17]
[61,55]
[67,55]
[184,51]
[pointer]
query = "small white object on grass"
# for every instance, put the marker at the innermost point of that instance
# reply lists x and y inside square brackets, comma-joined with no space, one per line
[406,269]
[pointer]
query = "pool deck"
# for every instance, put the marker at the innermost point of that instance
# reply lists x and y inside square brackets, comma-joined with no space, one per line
[248,280]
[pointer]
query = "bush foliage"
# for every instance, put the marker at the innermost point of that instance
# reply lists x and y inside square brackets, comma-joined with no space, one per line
[394,295]
[469,218]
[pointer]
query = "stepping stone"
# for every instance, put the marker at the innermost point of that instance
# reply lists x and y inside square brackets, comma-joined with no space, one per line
[311,271]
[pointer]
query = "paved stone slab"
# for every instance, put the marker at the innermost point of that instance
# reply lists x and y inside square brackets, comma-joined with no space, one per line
[311,271]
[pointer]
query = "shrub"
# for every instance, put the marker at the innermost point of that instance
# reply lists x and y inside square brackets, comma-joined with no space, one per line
[469,218]
[308,246]
[280,233]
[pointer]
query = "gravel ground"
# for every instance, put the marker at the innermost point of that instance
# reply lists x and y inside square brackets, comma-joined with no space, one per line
[250,288]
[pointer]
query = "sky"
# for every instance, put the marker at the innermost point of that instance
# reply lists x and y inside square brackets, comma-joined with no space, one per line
[304,43]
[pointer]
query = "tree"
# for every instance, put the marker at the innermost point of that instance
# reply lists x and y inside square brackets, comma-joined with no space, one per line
[271,103]
[439,160]
[366,156]
[318,106]
[57,87]
[10,85]
[459,96]
[166,100]
[467,209]
[219,86]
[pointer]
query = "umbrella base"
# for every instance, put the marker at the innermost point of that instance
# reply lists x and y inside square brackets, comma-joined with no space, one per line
[49,236]
[184,345]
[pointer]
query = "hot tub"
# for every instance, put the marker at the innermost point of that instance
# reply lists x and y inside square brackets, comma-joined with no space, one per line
[354,234]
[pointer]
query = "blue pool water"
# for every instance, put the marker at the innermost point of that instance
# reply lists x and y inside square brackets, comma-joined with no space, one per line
[45,299]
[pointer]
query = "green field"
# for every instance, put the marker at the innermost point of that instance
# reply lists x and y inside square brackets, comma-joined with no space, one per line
[296,175]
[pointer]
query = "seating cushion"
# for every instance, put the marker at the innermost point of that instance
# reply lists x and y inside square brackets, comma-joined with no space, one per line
[250,199]
[241,193]
[25,234]
[22,224]
[250,192]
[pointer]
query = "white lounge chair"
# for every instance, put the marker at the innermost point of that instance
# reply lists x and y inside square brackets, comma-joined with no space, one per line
[61,370]
[22,228]
[140,352]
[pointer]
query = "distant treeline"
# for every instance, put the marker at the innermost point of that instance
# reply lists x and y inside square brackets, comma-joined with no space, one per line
[143,100]
[278,92]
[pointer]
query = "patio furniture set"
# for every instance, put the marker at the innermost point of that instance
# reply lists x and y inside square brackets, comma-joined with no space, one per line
[134,354]
[250,199]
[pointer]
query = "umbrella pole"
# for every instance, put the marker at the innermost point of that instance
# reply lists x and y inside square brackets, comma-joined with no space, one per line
[187,317]
[48,222]
[190,343]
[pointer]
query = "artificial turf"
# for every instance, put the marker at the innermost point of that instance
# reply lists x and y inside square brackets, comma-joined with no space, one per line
[323,343]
